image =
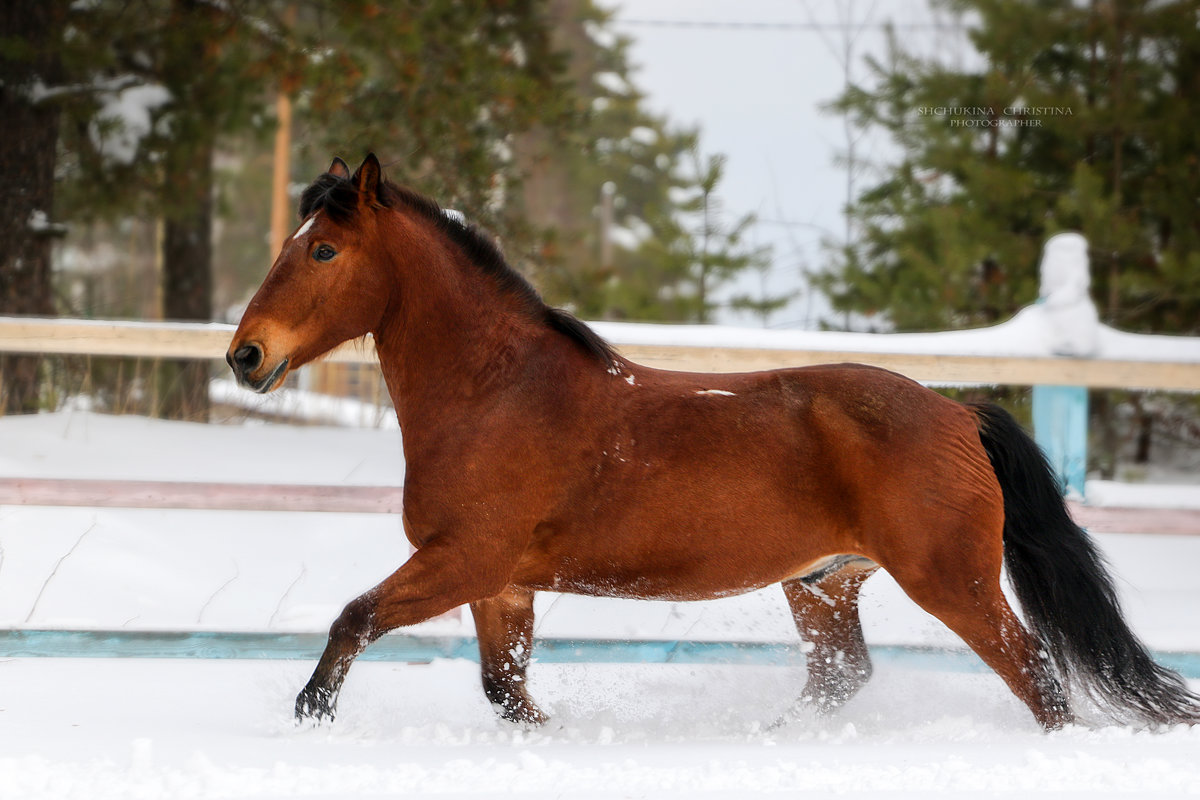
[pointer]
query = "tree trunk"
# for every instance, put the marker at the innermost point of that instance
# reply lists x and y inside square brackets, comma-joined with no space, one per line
[189,73]
[27,155]
[187,275]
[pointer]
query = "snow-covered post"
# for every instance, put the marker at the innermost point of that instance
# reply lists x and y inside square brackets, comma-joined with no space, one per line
[1060,413]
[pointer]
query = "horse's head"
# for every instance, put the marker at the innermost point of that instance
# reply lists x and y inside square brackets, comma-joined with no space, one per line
[327,285]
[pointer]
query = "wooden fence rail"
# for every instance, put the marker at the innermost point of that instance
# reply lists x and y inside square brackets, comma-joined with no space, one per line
[209,341]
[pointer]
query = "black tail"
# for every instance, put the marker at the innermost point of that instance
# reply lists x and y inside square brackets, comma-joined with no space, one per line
[1066,592]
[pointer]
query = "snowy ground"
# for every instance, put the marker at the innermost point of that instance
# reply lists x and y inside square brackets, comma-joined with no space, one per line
[119,729]
[98,728]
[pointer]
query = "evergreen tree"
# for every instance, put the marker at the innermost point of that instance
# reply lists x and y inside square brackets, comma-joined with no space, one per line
[601,187]
[168,79]
[515,113]
[442,90]
[699,253]
[632,216]
[440,84]
[1079,118]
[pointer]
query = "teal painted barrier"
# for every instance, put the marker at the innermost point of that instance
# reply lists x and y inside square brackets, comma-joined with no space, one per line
[423,649]
[1060,419]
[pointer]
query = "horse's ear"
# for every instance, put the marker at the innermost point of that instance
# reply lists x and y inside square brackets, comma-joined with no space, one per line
[368,178]
[339,169]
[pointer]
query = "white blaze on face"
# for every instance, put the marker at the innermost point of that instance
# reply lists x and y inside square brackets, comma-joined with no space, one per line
[308,223]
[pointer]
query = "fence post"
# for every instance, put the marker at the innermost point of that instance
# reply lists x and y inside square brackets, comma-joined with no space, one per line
[1060,413]
[1060,416]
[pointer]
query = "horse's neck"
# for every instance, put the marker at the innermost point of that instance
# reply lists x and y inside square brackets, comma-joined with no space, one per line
[450,339]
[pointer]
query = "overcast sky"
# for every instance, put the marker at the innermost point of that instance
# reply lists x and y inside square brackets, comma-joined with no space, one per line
[754,75]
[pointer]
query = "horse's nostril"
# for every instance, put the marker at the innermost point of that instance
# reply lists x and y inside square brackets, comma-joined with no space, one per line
[247,358]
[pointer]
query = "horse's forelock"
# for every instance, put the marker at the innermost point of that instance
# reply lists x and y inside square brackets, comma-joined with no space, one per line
[336,196]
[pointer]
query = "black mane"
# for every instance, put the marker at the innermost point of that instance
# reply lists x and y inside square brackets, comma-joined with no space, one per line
[338,197]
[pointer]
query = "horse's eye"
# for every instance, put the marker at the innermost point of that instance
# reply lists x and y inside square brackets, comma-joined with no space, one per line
[324,253]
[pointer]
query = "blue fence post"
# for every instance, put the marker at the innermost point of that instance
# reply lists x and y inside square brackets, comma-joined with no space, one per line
[1060,417]
[1060,413]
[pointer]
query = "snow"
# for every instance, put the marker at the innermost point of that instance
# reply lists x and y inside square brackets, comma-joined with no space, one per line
[304,405]
[611,82]
[1028,334]
[1133,495]
[129,728]
[125,119]
[38,221]
[108,729]
[1065,278]
[643,135]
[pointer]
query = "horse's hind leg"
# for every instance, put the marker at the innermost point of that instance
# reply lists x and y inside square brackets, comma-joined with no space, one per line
[504,626]
[825,608]
[962,589]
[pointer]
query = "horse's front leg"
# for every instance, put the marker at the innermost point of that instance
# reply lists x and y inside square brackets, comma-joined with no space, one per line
[440,576]
[504,626]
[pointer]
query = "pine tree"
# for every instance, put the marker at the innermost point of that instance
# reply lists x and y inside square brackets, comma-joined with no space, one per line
[1078,119]
[167,80]
[1081,117]
[440,90]
[702,253]
[440,86]
[623,196]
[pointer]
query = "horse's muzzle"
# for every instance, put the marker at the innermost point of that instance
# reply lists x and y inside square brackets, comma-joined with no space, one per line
[248,358]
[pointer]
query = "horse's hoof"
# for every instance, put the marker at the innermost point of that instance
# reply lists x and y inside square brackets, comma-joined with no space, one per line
[526,715]
[315,704]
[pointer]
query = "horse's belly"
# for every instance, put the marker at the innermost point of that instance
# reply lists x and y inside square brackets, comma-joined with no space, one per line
[666,565]
[642,587]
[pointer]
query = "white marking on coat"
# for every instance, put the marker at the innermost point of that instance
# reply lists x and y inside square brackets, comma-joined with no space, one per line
[720,392]
[304,228]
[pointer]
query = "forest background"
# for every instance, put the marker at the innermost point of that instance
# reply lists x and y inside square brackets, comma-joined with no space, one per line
[138,154]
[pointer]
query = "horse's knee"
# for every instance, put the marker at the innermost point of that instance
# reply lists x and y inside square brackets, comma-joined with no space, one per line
[356,622]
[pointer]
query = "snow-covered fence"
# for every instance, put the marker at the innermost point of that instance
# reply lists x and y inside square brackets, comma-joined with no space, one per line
[1014,353]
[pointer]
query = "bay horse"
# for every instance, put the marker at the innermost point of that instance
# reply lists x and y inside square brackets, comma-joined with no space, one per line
[539,459]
